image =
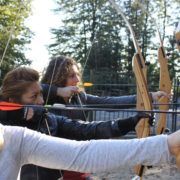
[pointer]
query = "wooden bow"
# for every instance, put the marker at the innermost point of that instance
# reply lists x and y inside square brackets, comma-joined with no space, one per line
[164,82]
[144,101]
[164,85]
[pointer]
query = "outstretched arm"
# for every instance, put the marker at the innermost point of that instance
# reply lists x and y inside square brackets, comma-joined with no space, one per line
[88,156]
[174,146]
[80,130]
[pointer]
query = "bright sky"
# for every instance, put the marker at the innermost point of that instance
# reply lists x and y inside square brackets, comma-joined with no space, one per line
[42,19]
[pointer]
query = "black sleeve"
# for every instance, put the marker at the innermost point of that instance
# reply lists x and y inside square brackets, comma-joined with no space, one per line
[18,117]
[52,90]
[14,117]
[80,130]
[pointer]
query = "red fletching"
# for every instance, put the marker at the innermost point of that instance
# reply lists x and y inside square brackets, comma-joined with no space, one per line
[7,106]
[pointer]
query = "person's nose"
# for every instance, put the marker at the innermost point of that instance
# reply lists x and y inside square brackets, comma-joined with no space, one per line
[76,79]
[40,100]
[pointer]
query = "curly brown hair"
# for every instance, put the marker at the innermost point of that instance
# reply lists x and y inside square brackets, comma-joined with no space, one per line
[61,66]
[16,82]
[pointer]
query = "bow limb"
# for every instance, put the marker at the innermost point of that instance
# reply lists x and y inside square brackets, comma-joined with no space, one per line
[143,98]
[164,85]
[144,101]
[139,68]
[165,81]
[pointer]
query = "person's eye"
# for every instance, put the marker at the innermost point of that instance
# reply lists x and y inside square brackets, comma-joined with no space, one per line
[34,96]
[71,76]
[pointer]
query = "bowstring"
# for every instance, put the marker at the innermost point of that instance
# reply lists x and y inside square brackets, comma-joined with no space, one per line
[152,19]
[138,51]
[47,98]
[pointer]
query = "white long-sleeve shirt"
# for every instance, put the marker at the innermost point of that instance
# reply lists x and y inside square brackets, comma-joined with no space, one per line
[24,146]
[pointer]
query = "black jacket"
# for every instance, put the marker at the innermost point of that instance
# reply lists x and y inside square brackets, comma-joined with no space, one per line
[119,102]
[64,127]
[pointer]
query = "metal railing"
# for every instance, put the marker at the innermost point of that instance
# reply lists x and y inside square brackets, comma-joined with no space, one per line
[173,120]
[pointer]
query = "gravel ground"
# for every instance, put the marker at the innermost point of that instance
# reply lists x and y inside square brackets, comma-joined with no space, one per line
[164,172]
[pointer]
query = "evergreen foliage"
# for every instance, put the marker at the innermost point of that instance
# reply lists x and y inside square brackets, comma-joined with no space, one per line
[92,25]
[14,35]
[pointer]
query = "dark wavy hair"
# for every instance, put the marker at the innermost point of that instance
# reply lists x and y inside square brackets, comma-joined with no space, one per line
[61,66]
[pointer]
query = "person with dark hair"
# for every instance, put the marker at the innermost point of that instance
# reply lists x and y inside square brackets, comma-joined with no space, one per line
[60,85]
[22,86]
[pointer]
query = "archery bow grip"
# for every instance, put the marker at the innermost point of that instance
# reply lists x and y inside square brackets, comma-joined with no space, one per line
[161,124]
